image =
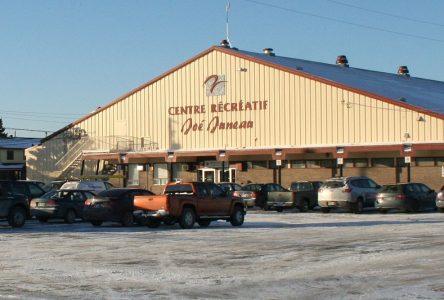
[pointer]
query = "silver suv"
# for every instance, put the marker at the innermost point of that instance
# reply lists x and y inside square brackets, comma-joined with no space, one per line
[352,193]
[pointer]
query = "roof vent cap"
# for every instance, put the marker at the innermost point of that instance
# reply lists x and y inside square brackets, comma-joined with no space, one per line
[342,61]
[403,71]
[268,51]
[225,44]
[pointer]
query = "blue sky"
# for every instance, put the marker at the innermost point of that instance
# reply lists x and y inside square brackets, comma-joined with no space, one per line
[61,59]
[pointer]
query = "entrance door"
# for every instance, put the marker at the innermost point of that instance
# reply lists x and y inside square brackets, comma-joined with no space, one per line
[215,175]
[208,175]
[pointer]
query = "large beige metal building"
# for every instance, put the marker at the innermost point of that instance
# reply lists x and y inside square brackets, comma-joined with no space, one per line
[232,115]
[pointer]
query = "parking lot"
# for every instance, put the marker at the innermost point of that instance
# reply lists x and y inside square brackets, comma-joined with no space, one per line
[272,256]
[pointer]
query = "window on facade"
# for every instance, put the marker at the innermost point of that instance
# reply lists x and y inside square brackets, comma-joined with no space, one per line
[297,164]
[361,162]
[10,155]
[259,164]
[313,164]
[327,163]
[383,162]
[425,161]
[348,163]
[160,174]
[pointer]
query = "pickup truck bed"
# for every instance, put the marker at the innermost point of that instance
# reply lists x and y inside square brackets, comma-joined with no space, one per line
[187,203]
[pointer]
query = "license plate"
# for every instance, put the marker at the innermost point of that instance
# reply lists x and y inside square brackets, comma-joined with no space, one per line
[331,203]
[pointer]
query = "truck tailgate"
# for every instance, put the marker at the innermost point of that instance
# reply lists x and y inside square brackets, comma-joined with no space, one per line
[280,196]
[154,202]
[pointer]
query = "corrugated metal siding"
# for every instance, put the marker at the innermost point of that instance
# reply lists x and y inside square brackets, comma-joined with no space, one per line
[300,112]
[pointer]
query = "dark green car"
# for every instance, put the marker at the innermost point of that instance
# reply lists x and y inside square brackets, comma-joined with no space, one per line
[407,197]
[61,204]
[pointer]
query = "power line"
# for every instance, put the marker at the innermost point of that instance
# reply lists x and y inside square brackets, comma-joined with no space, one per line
[386,14]
[52,114]
[345,22]
[35,120]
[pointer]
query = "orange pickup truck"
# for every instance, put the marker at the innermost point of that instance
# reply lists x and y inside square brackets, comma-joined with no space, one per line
[187,203]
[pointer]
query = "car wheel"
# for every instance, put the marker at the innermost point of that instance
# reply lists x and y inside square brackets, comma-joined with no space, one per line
[96,223]
[42,219]
[204,223]
[441,209]
[17,217]
[188,218]
[359,206]
[70,217]
[280,209]
[127,219]
[237,216]
[325,210]
[382,211]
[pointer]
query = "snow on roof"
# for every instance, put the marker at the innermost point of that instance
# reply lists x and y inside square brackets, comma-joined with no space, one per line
[423,93]
[18,143]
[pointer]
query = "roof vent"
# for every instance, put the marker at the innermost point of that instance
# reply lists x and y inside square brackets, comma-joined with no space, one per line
[225,44]
[269,51]
[403,71]
[342,61]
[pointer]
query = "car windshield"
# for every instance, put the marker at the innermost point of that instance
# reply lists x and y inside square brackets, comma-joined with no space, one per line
[333,184]
[391,188]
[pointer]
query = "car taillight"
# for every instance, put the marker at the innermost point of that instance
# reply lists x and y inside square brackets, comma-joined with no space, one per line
[236,194]
[346,190]
[320,190]
[88,202]
[51,203]
[401,196]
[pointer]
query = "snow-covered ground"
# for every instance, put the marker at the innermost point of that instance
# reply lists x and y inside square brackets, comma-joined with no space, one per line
[273,256]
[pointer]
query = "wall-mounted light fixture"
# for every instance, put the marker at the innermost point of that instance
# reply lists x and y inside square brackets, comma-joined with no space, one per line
[170,154]
[278,152]
[222,153]
[407,147]
[339,150]
[420,119]
[122,157]
[242,69]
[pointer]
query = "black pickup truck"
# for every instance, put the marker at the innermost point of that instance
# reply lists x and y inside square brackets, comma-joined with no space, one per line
[302,195]
[13,207]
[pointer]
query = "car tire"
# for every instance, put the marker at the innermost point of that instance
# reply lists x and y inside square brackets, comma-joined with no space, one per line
[237,216]
[43,219]
[359,206]
[325,210]
[96,223]
[70,217]
[280,209]
[204,223]
[188,218]
[382,211]
[17,217]
[441,209]
[127,219]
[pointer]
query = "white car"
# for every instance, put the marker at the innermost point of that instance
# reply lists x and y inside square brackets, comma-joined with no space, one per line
[352,193]
[93,186]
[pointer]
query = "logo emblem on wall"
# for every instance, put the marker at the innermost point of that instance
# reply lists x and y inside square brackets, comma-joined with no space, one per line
[215,85]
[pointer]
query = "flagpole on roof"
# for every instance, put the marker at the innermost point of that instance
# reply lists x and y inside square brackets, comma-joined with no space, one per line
[227,8]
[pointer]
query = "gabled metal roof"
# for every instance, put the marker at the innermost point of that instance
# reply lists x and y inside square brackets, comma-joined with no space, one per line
[18,143]
[422,93]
